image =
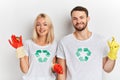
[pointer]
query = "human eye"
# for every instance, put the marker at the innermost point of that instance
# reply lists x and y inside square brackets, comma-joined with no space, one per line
[74,18]
[45,24]
[37,25]
[81,17]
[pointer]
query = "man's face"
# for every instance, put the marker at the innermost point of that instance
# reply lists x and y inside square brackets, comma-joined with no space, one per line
[79,20]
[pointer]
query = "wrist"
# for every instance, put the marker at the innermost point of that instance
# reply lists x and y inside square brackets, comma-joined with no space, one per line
[19,45]
[112,56]
[20,52]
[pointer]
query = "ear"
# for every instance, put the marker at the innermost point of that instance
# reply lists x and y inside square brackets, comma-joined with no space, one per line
[88,18]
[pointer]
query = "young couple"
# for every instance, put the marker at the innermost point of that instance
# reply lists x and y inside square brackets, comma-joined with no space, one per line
[80,55]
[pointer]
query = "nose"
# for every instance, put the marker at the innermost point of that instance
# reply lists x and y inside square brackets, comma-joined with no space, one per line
[41,26]
[78,20]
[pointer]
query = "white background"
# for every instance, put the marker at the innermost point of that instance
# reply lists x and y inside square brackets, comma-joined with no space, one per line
[17,17]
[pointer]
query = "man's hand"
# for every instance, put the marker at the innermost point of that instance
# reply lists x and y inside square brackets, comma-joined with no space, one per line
[114,47]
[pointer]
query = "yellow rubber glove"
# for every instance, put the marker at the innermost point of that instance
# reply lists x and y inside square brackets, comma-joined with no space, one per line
[114,46]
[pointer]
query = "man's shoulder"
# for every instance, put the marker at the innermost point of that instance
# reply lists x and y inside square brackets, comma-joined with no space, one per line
[99,36]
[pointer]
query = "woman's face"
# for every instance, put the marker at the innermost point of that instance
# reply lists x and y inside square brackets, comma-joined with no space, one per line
[42,27]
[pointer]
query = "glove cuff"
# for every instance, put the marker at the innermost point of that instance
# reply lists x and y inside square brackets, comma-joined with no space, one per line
[111,56]
[20,52]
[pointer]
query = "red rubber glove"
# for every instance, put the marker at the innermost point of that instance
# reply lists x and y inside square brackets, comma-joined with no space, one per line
[58,68]
[16,41]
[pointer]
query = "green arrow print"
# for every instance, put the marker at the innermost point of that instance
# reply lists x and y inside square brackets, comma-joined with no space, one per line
[86,51]
[38,55]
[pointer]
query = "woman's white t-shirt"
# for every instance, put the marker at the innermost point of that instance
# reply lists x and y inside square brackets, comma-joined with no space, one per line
[40,60]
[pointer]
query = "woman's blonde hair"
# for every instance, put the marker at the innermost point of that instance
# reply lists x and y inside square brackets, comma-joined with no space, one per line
[50,35]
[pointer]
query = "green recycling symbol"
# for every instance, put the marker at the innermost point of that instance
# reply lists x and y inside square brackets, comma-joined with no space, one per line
[42,55]
[83,54]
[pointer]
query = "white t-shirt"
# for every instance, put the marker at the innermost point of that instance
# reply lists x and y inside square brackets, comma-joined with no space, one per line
[40,60]
[83,58]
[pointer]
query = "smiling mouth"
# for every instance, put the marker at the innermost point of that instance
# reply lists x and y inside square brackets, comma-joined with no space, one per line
[42,31]
[79,24]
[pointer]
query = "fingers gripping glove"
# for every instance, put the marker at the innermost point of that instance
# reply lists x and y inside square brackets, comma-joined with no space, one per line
[114,47]
[58,68]
[16,42]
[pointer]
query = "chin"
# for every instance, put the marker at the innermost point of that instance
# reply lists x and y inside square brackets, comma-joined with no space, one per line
[43,34]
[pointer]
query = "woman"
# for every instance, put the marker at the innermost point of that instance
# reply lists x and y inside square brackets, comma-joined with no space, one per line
[37,56]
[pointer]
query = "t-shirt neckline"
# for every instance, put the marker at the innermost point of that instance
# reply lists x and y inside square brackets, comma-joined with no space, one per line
[83,40]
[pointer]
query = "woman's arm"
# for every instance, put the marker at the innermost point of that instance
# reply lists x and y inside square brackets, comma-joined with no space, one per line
[24,64]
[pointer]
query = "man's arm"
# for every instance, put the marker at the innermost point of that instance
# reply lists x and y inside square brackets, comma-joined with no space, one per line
[62,62]
[109,61]
[108,64]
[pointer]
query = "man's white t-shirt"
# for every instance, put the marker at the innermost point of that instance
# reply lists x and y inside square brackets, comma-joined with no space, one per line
[83,57]
[40,60]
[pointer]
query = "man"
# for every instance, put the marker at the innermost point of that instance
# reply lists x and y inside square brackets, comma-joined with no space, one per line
[82,53]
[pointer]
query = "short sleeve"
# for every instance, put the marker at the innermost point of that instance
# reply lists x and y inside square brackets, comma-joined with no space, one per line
[60,51]
[54,48]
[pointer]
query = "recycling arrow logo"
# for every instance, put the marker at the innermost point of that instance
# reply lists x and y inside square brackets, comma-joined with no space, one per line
[83,54]
[42,55]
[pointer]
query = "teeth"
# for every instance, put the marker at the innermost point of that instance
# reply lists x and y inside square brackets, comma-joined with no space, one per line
[42,31]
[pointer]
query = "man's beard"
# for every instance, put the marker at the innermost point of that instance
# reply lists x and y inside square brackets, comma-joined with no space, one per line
[79,28]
